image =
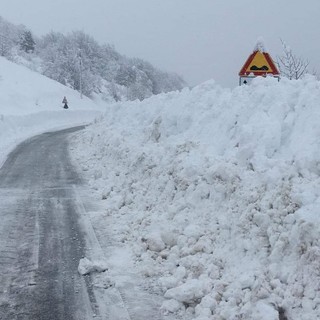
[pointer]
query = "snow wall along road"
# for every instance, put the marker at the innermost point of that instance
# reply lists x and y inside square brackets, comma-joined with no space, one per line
[216,192]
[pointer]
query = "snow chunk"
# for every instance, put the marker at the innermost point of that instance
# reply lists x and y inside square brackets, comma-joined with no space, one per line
[173,281]
[188,292]
[169,238]
[265,311]
[171,306]
[154,242]
[193,231]
[87,266]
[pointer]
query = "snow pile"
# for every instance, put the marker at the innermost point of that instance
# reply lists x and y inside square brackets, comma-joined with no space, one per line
[32,104]
[217,193]
[87,266]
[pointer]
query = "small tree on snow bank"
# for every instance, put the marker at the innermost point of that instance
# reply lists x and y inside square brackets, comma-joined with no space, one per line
[290,65]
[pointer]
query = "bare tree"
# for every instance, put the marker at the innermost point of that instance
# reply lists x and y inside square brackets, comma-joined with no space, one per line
[290,65]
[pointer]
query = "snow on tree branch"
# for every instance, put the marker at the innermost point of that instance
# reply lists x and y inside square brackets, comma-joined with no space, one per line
[290,65]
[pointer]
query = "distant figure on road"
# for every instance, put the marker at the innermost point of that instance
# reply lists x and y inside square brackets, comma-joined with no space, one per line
[65,102]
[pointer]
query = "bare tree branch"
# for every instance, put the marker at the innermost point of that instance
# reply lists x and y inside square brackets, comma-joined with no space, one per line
[290,65]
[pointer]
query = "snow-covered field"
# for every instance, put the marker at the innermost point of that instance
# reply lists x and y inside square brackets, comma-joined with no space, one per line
[214,196]
[31,104]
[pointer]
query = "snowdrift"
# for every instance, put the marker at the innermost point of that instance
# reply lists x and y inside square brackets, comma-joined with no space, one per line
[216,192]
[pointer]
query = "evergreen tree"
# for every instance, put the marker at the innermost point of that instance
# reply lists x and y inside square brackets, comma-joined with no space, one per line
[27,43]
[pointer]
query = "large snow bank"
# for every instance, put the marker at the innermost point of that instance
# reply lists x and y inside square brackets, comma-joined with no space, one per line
[31,104]
[217,193]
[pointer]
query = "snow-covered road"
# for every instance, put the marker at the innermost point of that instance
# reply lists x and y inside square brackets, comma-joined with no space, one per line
[45,232]
[41,242]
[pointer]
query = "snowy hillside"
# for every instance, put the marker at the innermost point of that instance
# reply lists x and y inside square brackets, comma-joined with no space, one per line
[80,62]
[31,103]
[216,194]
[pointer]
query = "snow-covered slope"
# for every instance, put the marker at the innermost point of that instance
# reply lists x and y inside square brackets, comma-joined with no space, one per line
[31,103]
[216,192]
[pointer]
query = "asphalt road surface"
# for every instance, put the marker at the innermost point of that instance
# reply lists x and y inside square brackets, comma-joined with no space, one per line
[40,238]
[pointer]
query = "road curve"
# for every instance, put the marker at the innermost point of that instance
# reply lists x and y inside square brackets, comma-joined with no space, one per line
[40,238]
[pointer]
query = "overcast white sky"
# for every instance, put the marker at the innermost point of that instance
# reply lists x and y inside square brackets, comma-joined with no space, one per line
[199,39]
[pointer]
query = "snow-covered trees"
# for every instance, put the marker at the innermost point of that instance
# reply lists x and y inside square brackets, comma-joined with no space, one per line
[290,65]
[100,67]
[60,56]
[27,42]
[9,37]
[78,61]
[5,46]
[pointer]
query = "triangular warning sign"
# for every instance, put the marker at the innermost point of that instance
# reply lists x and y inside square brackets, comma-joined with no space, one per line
[259,64]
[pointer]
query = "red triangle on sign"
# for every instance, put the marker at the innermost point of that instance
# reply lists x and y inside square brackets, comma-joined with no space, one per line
[259,64]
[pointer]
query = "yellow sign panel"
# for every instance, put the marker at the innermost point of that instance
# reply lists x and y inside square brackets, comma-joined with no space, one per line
[259,63]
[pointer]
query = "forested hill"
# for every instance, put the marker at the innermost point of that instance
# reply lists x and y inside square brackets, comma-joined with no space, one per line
[78,61]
